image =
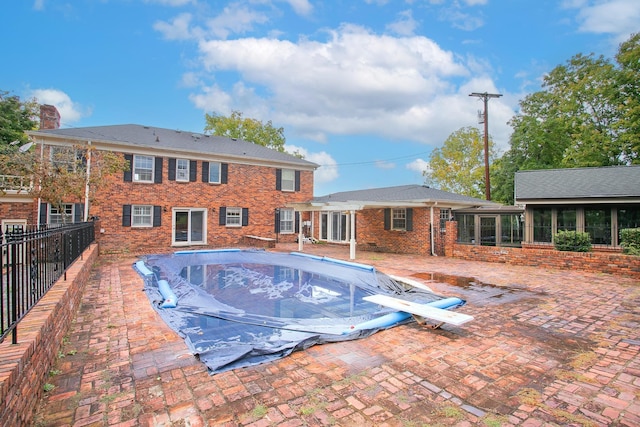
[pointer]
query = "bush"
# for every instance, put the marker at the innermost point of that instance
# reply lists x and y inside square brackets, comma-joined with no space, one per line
[572,241]
[630,241]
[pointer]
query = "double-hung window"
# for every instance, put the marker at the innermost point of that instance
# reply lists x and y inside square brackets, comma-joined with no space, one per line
[214,172]
[143,168]
[234,217]
[286,221]
[141,216]
[288,181]
[182,170]
[65,158]
[399,219]
[61,215]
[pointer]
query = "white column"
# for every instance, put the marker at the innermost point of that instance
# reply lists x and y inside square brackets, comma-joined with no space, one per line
[300,237]
[352,241]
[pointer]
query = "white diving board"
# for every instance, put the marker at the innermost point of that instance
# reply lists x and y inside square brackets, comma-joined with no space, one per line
[422,310]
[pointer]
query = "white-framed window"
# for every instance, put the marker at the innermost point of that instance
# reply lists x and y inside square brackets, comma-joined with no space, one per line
[62,215]
[398,219]
[287,221]
[182,170]
[234,217]
[143,168]
[215,173]
[189,226]
[288,180]
[65,158]
[445,215]
[141,216]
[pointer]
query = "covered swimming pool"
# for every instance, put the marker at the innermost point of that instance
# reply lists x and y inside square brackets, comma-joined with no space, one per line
[236,308]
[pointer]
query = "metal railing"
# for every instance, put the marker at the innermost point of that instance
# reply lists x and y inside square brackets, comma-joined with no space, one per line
[33,258]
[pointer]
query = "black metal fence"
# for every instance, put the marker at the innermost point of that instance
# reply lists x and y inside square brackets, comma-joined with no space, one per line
[33,258]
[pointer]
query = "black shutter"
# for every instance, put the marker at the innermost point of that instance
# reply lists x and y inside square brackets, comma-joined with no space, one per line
[44,213]
[278,179]
[205,171]
[245,217]
[387,219]
[409,219]
[296,226]
[223,216]
[277,221]
[158,171]
[297,187]
[128,174]
[224,173]
[126,215]
[193,170]
[157,216]
[172,170]
[78,212]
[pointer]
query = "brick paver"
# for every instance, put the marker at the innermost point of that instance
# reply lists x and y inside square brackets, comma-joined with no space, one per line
[547,347]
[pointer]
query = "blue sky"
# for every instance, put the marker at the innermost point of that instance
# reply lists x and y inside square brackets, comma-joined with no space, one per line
[365,88]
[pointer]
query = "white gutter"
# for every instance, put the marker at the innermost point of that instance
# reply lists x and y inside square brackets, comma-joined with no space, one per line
[40,187]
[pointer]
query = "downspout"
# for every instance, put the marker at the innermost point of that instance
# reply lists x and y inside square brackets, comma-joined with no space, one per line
[433,252]
[39,198]
[86,186]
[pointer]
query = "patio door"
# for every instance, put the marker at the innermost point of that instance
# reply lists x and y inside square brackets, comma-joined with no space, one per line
[189,226]
[488,231]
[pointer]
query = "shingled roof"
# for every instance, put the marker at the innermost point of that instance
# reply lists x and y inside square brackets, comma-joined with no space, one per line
[396,196]
[578,183]
[148,137]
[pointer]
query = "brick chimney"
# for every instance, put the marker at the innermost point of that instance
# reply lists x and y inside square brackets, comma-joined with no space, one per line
[49,117]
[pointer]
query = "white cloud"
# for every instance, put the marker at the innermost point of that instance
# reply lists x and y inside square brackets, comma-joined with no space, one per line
[38,5]
[177,29]
[235,19]
[405,25]
[616,17]
[355,82]
[301,7]
[70,112]
[384,164]
[418,165]
[328,170]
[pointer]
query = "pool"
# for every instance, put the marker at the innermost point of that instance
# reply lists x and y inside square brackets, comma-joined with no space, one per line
[237,308]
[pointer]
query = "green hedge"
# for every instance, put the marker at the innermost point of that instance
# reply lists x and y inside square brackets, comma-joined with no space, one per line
[572,241]
[630,241]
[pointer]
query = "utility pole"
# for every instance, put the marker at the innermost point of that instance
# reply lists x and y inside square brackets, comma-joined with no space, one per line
[485,119]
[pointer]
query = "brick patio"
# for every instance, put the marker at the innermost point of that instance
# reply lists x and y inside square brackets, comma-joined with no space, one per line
[547,347]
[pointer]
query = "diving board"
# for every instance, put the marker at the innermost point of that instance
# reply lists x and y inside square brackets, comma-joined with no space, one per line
[422,310]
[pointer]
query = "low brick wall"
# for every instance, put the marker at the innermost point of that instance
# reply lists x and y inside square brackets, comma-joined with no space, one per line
[599,262]
[24,367]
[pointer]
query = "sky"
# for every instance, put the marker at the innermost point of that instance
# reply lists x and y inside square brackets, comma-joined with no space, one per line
[364,88]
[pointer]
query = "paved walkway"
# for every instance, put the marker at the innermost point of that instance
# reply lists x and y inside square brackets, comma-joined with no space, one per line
[546,348]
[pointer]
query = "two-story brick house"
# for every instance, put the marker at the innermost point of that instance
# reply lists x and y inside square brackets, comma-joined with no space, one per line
[182,189]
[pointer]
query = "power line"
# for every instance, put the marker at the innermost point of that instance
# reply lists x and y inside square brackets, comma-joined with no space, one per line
[370,162]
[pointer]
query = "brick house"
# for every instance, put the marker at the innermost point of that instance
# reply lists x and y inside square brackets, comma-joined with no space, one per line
[182,189]
[400,219]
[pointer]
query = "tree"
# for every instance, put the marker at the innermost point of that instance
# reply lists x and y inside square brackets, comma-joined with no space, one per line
[16,117]
[587,114]
[247,129]
[67,174]
[459,165]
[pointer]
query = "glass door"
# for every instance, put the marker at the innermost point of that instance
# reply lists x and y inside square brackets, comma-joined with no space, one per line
[189,226]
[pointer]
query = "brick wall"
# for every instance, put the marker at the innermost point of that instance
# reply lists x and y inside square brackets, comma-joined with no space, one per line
[544,257]
[249,186]
[24,367]
[19,210]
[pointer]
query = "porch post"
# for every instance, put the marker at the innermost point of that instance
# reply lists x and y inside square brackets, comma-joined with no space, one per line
[300,238]
[352,241]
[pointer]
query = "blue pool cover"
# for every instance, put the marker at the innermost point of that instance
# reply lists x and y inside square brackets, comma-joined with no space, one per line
[237,308]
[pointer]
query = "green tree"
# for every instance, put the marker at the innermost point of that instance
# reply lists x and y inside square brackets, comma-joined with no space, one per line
[247,129]
[16,117]
[458,166]
[587,114]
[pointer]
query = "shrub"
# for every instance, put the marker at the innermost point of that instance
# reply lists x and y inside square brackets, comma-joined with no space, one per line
[630,241]
[573,241]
